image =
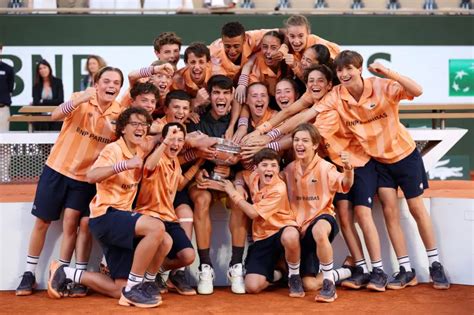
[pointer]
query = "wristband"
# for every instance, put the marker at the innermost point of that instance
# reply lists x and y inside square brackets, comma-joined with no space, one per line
[274,134]
[191,172]
[146,72]
[190,155]
[244,80]
[243,121]
[239,182]
[67,107]
[120,167]
[274,145]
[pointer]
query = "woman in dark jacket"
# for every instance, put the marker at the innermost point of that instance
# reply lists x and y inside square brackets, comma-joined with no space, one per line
[47,90]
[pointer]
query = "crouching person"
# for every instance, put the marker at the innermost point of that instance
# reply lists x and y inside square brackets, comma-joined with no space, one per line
[134,244]
[274,224]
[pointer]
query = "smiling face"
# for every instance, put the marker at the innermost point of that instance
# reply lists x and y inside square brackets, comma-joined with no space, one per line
[297,36]
[285,94]
[197,65]
[175,144]
[318,85]
[349,75]
[233,47]
[270,45]
[257,100]
[177,111]
[136,130]
[162,81]
[309,59]
[169,53]
[145,101]
[303,146]
[108,86]
[221,100]
[268,171]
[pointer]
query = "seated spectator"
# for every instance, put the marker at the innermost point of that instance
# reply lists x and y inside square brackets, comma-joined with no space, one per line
[47,90]
[93,64]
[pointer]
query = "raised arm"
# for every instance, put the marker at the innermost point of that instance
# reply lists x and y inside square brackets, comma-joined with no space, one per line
[100,173]
[66,108]
[412,88]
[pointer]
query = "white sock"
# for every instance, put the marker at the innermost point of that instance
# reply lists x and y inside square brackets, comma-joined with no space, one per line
[341,274]
[133,280]
[181,269]
[81,265]
[433,255]
[377,264]
[327,270]
[405,262]
[149,277]
[363,264]
[74,274]
[293,268]
[31,263]
[65,262]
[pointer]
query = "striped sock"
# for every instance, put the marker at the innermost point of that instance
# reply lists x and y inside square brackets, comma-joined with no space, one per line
[363,264]
[64,262]
[74,274]
[293,268]
[377,264]
[149,277]
[404,261]
[327,270]
[433,255]
[81,265]
[31,263]
[341,274]
[133,280]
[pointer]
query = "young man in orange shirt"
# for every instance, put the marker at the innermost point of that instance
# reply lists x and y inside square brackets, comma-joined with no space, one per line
[89,119]
[274,224]
[369,108]
[312,183]
[134,244]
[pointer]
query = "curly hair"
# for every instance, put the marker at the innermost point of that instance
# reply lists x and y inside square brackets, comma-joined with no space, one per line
[124,119]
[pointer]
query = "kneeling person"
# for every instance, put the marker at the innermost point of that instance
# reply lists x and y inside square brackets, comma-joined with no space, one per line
[274,225]
[162,178]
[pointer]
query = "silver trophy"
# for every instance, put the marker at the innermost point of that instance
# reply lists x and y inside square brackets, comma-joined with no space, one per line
[227,153]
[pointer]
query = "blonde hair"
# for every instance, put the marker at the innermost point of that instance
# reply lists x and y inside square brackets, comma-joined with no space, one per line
[298,20]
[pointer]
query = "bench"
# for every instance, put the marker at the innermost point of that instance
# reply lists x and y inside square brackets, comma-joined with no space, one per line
[29,115]
[437,113]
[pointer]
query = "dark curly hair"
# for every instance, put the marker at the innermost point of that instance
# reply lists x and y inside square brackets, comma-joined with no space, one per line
[124,119]
[144,88]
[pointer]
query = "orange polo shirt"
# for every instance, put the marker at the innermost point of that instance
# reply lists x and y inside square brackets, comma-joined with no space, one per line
[374,118]
[119,190]
[337,138]
[84,133]
[271,204]
[262,73]
[311,191]
[158,189]
[182,80]
[221,63]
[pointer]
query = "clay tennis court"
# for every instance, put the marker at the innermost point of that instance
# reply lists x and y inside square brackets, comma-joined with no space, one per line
[422,299]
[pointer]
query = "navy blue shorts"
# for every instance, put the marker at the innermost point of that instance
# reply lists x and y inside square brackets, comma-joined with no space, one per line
[182,197]
[409,174]
[263,256]
[115,230]
[364,188]
[56,192]
[180,240]
[309,259]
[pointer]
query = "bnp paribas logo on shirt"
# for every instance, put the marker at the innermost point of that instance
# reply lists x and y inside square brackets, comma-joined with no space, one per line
[461,77]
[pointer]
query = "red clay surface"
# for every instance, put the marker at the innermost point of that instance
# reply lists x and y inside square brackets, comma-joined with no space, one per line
[422,299]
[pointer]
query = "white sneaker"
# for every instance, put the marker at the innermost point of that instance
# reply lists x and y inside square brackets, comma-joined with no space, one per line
[236,277]
[205,280]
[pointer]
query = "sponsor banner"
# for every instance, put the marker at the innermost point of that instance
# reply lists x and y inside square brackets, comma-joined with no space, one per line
[446,73]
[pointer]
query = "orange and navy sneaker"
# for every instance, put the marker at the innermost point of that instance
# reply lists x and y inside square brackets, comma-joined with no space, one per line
[403,279]
[438,276]
[27,284]
[328,292]
[137,296]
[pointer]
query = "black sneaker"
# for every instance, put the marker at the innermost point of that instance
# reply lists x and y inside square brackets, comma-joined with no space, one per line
[378,280]
[438,276]
[403,279]
[152,288]
[27,284]
[137,296]
[328,292]
[78,290]
[58,283]
[161,284]
[296,286]
[359,279]
[177,281]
